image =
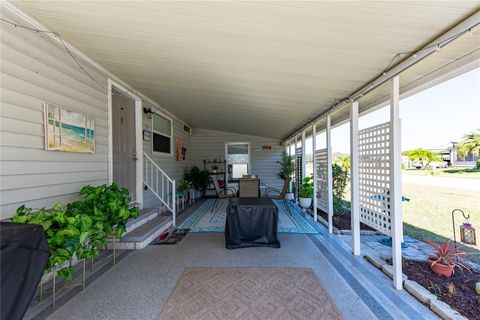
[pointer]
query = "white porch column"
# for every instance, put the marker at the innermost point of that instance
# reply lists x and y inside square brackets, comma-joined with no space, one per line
[304,153]
[329,175]
[396,184]
[354,182]
[296,169]
[314,147]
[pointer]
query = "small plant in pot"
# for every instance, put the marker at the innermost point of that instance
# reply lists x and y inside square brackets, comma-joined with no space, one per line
[214,168]
[305,193]
[444,258]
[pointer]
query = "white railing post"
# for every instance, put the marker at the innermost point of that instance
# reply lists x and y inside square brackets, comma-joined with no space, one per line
[329,174]
[174,204]
[296,170]
[314,149]
[304,153]
[354,182]
[396,183]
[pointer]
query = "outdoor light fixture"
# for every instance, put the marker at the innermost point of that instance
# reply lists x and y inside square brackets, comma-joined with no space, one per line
[148,112]
[467,234]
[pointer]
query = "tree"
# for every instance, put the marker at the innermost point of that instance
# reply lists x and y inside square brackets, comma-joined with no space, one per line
[343,161]
[470,144]
[287,166]
[424,156]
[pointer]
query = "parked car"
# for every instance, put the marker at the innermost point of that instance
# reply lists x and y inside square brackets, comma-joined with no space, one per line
[437,165]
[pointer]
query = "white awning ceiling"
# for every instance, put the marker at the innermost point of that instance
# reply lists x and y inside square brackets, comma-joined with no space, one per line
[259,68]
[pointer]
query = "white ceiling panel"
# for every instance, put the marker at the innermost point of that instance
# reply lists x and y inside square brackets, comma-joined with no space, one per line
[258,68]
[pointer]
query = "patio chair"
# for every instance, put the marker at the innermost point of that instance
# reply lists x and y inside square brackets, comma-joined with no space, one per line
[221,193]
[280,194]
[249,188]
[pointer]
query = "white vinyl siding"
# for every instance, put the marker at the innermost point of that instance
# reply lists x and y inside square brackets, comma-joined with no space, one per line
[34,70]
[211,144]
[173,168]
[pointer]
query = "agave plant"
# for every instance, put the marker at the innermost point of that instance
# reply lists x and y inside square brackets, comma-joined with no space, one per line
[446,254]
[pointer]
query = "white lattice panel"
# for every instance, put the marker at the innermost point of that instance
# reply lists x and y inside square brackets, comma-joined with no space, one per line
[321,179]
[298,165]
[374,177]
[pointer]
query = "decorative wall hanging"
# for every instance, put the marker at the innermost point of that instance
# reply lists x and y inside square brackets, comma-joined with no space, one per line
[68,131]
[180,151]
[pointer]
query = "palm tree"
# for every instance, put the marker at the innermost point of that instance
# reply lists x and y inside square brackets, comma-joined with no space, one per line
[470,144]
[424,156]
[343,161]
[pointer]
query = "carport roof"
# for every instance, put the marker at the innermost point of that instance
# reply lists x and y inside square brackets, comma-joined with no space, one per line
[258,68]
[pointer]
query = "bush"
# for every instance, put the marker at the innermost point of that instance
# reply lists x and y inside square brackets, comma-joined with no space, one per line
[340,180]
[81,227]
[477,164]
[200,179]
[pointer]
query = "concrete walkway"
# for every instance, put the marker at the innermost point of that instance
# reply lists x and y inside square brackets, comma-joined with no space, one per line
[138,287]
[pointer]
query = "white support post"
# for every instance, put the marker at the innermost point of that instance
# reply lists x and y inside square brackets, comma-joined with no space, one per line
[396,184]
[174,204]
[296,169]
[314,147]
[304,153]
[354,182]
[329,175]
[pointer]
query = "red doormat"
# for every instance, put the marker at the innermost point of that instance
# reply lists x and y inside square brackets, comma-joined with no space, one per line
[172,237]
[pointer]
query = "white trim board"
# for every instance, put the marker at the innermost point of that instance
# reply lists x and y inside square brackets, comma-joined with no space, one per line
[138,138]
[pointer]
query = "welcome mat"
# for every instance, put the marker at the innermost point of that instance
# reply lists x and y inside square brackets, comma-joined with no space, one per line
[249,293]
[204,219]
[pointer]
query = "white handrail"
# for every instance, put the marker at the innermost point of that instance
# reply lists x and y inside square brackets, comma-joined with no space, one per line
[160,184]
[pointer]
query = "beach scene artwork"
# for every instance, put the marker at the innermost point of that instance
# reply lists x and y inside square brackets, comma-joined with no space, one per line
[68,131]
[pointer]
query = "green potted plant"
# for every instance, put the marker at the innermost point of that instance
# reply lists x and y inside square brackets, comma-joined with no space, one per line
[200,179]
[287,167]
[305,193]
[214,168]
[444,259]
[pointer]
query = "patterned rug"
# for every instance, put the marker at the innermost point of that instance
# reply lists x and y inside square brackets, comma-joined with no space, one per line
[206,220]
[249,293]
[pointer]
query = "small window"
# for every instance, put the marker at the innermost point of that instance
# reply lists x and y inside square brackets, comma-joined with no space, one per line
[187,129]
[161,134]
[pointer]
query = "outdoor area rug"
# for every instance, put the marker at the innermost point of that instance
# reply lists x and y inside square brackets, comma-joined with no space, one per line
[249,293]
[204,220]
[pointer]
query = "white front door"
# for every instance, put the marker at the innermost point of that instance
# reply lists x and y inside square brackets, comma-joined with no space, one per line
[124,145]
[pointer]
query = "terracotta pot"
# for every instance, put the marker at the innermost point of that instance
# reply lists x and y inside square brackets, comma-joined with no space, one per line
[441,269]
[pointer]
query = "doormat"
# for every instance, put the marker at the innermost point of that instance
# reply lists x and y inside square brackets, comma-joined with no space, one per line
[172,237]
[250,293]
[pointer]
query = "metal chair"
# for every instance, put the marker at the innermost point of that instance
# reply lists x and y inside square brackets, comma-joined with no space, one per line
[221,193]
[280,194]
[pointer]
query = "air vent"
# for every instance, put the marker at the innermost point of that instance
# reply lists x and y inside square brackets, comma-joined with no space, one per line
[187,129]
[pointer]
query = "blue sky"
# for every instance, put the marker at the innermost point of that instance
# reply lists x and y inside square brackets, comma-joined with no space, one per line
[430,119]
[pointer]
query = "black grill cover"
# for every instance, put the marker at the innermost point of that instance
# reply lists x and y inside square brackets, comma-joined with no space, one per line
[24,255]
[251,222]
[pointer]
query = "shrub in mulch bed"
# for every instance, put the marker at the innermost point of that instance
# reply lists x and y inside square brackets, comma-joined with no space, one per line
[343,222]
[458,291]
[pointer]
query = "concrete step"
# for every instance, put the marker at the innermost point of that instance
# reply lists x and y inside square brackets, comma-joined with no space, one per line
[142,236]
[145,215]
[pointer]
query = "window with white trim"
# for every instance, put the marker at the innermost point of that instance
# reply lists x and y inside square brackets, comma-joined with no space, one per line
[161,134]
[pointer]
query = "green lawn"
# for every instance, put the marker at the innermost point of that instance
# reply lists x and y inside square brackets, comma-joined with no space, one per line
[450,172]
[428,214]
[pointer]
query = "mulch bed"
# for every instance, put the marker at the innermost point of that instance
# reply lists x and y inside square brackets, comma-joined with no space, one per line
[457,291]
[343,222]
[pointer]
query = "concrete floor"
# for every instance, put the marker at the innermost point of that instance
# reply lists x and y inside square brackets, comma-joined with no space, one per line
[138,287]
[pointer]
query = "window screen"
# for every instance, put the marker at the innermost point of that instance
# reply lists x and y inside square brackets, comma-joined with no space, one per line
[161,134]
